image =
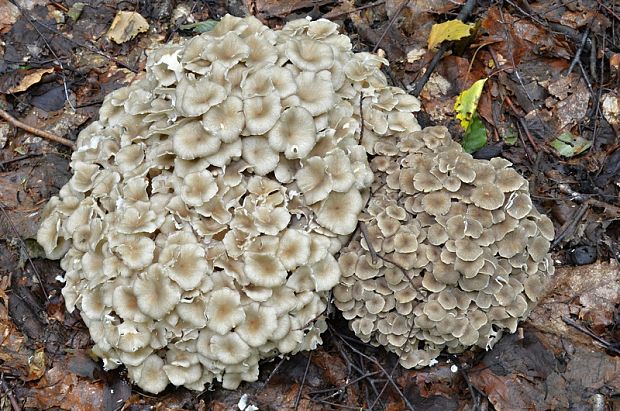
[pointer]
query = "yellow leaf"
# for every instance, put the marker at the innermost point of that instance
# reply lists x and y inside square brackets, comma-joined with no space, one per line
[467,102]
[449,30]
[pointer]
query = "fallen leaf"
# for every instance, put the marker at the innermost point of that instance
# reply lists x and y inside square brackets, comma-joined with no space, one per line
[8,15]
[611,110]
[32,77]
[475,136]
[200,26]
[36,365]
[467,102]
[449,30]
[126,26]
[568,145]
[76,11]
[63,389]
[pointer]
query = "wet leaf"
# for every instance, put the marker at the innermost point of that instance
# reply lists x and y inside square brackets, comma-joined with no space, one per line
[476,135]
[568,145]
[126,26]
[200,26]
[76,10]
[36,365]
[467,102]
[450,30]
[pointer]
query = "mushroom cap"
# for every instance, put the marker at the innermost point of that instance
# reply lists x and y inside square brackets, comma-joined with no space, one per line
[188,266]
[259,155]
[294,134]
[225,120]
[261,113]
[156,294]
[264,270]
[229,348]
[338,212]
[191,140]
[224,310]
[152,376]
[259,324]
[310,55]
[487,196]
[195,97]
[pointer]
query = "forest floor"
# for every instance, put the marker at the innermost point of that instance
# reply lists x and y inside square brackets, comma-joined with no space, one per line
[551,105]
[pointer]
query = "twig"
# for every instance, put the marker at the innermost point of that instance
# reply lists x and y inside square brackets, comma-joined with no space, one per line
[523,124]
[579,51]
[342,387]
[19,158]
[570,225]
[360,8]
[419,85]
[33,130]
[9,394]
[49,47]
[89,47]
[303,381]
[371,249]
[25,249]
[606,344]
[273,372]
[390,23]
[388,376]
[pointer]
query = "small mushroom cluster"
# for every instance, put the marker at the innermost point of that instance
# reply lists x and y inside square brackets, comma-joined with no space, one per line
[199,229]
[451,250]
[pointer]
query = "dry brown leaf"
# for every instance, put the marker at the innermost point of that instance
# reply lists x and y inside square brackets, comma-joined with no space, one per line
[32,77]
[126,25]
[60,388]
[582,291]
[8,15]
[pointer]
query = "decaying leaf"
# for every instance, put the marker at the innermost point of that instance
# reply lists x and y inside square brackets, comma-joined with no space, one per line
[127,25]
[8,15]
[467,102]
[76,10]
[568,145]
[611,110]
[32,77]
[449,30]
[200,26]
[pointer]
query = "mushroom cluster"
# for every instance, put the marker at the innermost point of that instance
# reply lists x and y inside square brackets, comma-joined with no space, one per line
[451,250]
[199,230]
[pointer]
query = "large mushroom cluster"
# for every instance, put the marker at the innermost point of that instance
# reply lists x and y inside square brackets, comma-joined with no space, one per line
[199,230]
[450,253]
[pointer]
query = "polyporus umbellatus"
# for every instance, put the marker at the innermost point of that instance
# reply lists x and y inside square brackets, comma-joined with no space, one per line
[451,250]
[199,229]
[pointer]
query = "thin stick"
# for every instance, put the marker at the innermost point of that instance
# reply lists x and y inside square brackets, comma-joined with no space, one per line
[36,131]
[419,85]
[391,22]
[57,59]
[9,394]
[23,244]
[303,381]
[606,344]
[360,8]
[579,51]
[383,370]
